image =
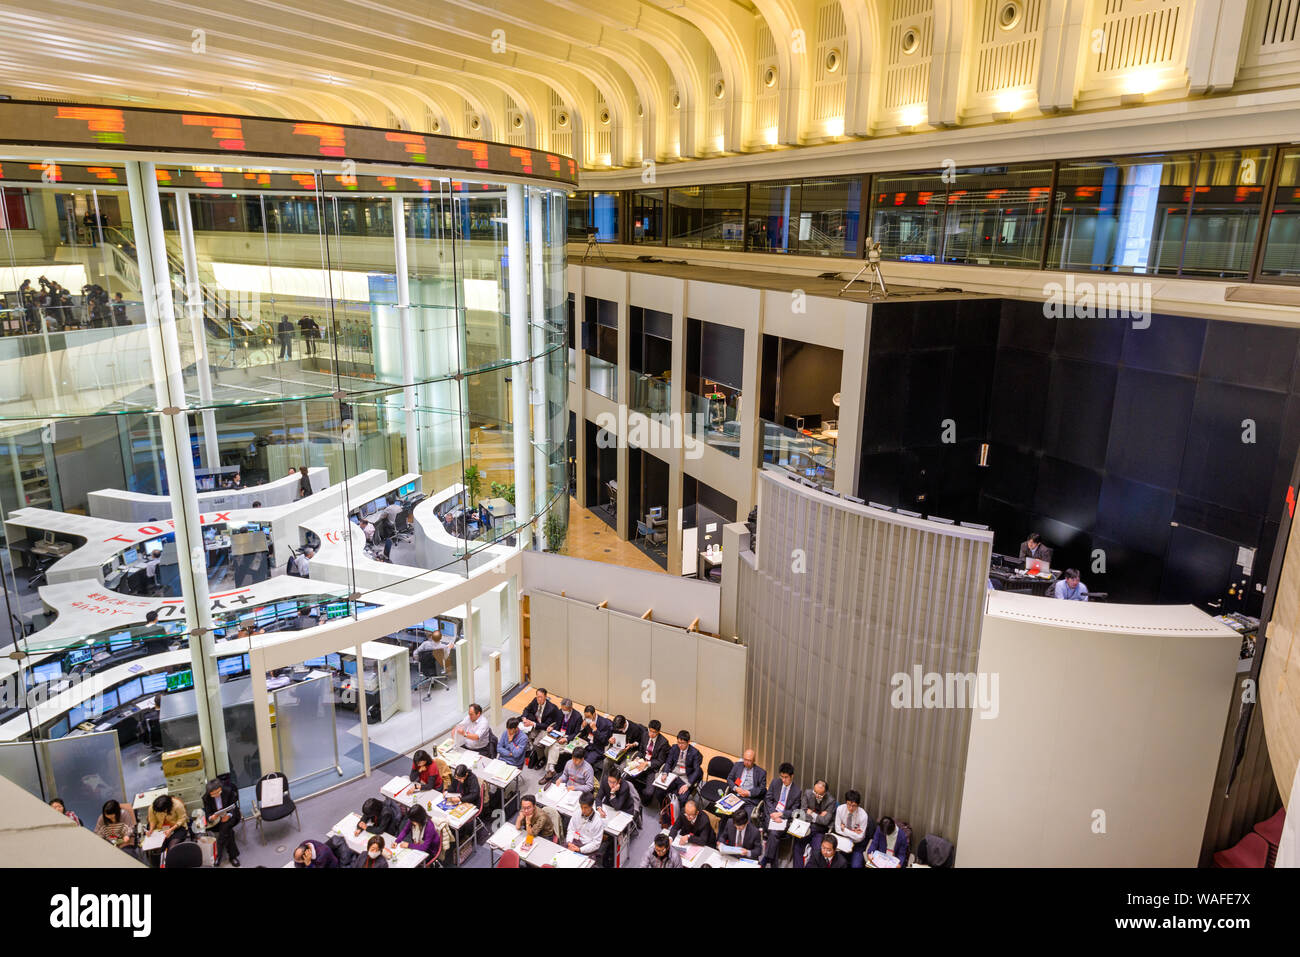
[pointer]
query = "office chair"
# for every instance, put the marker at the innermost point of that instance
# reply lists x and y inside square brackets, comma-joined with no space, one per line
[184,854]
[508,859]
[151,735]
[715,783]
[429,673]
[278,812]
[643,531]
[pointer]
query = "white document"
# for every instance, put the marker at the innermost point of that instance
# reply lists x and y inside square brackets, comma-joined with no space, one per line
[568,858]
[505,837]
[153,841]
[731,850]
[616,821]
[776,825]
[272,792]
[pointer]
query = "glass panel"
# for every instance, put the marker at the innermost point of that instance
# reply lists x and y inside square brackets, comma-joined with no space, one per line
[1282,250]
[86,771]
[602,377]
[1229,198]
[996,216]
[604,216]
[18,764]
[685,216]
[723,217]
[578,216]
[773,212]
[306,737]
[828,216]
[715,419]
[648,216]
[650,394]
[1122,215]
[907,214]
[799,451]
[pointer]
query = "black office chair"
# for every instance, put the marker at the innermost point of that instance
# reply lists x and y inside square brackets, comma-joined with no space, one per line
[430,674]
[184,854]
[277,812]
[715,784]
[491,749]
[151,735]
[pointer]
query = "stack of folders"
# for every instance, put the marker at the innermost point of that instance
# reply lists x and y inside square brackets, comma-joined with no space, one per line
[730,804]
[461,812]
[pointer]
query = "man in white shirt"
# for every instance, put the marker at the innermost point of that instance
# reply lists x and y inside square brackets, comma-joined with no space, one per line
[302,562]
[586,829]
[472,732]
[853,822]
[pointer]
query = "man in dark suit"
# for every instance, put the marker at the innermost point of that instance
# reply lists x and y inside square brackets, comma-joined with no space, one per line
[684,761]
[595,731]
[539,713]
[615,795]
[825,855]
[218,797]
[748,781]
[655,750]
[633,732]
[568,722]
[780,803]
[692,827]
[1033,547]
[741,832]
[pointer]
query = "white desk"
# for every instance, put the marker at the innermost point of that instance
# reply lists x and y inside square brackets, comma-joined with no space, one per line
[133,507]
[435,547]
[397,857]
[542,852]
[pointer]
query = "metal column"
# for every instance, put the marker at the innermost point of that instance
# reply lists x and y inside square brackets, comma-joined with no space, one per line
[517,253]
[407,325]
[194,313]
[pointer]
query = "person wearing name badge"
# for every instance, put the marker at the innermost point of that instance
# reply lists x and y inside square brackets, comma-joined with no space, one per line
[424,772]
[781,801]
[633,733]
[419,833]
[741,832]
[655,750]
[116,825]
[1069,588]
[692,827]
[662,854]
[566,725]
[218,797]
[539,715]
[826,854]
[586,828]
[685,761]
[373,858]
[595,731]
[512,747]
[464,787]
[890,839]
[577,774]
[853,822]
[314,854]
[748,781]
[532,821]
[472,731]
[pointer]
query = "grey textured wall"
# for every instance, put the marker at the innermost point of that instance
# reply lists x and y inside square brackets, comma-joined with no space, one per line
[878,595]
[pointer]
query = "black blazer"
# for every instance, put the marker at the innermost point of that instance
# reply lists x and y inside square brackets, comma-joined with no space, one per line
[658,756]
[751,842]
[617,802]
[363,859]
[469,791]
[570,727]
[229,795]
[550,714]
[599,739]
[837,862]
[636,734]
[701,832]
[387,822]
[693,760]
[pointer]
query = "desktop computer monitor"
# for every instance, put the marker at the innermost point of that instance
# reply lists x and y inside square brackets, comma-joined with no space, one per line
[78,713]
[315,662]
[106,570]
[59,729]
[153,684]
[130,556]
[79,656]
[380,503]
[287,609]
[350,666]
[248,663]
[47,671]
[105,703]
[228,667]
[449,629]
[266,616]
[153,545]
[180,680]
[119,642]
[333,660]
[128,691]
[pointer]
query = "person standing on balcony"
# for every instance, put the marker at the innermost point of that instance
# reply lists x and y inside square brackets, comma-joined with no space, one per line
[285,330]
[310,333]
[119,311]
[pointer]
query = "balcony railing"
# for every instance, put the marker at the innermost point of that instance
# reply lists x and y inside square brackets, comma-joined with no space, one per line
[807,452]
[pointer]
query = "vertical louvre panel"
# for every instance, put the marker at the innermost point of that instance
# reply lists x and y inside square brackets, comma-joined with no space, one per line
[907,75]
[767,101]
[828,87]
[561,136]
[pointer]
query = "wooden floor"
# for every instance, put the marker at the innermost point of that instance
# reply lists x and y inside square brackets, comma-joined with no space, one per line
[525,695]
[589,537]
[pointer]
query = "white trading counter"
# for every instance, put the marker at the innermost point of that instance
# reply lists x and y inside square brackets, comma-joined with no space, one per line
[123,506]
[435,547]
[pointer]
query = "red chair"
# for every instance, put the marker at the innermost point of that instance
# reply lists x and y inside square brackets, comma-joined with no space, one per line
[1251,851]
[509,859]
[1271,831]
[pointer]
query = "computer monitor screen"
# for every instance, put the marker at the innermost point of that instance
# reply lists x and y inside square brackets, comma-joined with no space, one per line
[106,570]
[79,656]
[78,713]
[130,556]
[448,629]
[128,691]
[174,627]
[49,538]
[47,671]
[315,662]
[407,489]
[180,680]
[105,702]
[153,545]
[266,616]
[119,642]
[380,503]
[152,684]
[336,609]
[234,665]
[248,665]
[332,659]
[59,729]
[247,618]
[350,666]
[287,609]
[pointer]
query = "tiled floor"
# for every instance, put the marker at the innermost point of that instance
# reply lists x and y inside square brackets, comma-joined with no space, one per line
[590,538]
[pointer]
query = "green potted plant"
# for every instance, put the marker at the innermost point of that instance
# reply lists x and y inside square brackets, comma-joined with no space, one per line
[502,490]
[473,484]
[554,531]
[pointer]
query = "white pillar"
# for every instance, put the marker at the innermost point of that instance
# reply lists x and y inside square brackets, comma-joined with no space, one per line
[169,389]
[517,257]
[408,336]
[194,312]
[538,396]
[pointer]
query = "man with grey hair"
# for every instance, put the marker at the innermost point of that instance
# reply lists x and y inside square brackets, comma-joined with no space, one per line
[566,725]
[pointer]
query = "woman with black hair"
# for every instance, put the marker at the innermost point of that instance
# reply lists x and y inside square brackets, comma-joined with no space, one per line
[374,855]
[424,772]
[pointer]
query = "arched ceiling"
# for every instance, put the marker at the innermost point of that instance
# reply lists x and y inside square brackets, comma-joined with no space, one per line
[615,82]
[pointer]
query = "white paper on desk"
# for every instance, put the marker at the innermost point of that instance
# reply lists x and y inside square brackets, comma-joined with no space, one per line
[843,843]
[617,821]
[800,827]
[153,841]
[731,850]
[568,858]
[272,792]
[505,837]
[664,779]
[395,787]
[498,769]
[776,825]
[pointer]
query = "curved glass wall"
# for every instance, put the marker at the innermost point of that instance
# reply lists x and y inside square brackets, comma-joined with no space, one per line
[239,417]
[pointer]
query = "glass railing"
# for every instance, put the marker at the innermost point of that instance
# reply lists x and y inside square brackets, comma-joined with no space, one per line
[714,421]
[649,394]
[602,377]
[807,452]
